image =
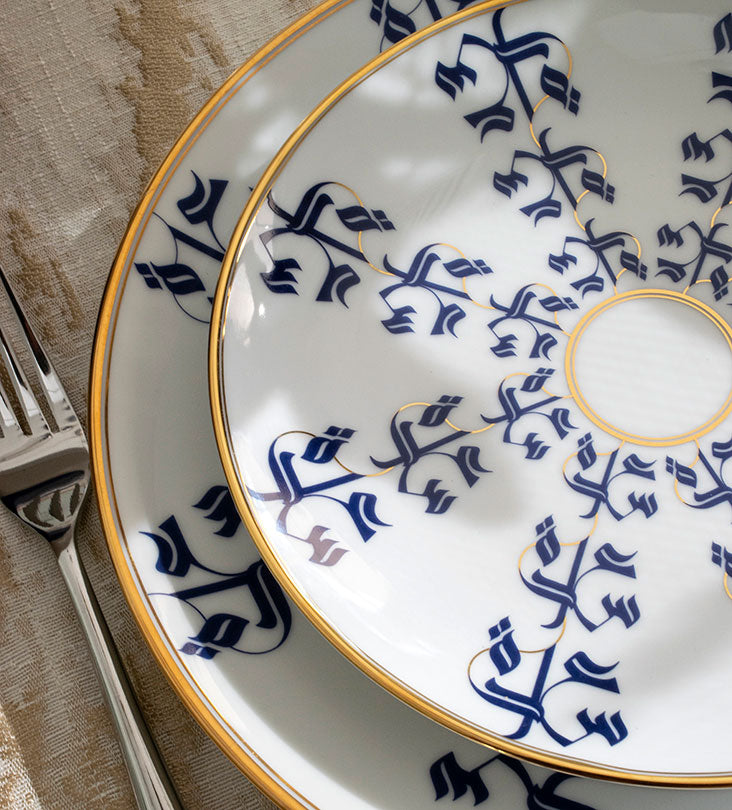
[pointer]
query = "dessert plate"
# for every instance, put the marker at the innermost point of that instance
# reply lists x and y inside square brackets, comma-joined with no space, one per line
[292,713]
[471,375]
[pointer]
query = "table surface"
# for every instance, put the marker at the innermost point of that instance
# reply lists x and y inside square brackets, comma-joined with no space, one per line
[93,95]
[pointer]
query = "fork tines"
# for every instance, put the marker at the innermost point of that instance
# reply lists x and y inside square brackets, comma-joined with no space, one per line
[58,401]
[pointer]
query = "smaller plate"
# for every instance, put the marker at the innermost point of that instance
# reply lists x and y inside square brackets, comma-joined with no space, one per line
[471,378]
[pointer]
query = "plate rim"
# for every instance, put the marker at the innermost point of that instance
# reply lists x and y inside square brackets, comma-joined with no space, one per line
[567,764]
[211,722]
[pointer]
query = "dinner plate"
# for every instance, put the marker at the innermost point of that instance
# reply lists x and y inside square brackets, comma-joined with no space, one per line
[291,712]
[471,372]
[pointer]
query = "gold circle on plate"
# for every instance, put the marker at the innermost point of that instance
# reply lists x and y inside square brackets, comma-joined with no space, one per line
[613,430]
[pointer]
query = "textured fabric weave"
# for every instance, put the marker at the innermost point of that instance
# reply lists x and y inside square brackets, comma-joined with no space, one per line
[92,96]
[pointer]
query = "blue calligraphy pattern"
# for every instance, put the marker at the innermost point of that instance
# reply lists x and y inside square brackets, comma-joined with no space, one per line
[705,253]
[550,179]
[434,269]
[703,485]
[221,629]
[336,226]
[573,171]
[415,444]
[597,258]
[545,329]
[196,251]
[722,557]
[563,598]
[449,778]
[334,223]
[530,398]
[597,479]
[197,246]
[335,220]
[397,20]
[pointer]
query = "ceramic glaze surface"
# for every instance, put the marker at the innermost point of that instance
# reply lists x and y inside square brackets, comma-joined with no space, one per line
[473,377]
[180,549]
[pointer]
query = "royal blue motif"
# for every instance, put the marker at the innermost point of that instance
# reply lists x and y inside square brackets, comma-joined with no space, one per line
[449,777]
[414,445]
[196,246]
[706,254]
[520,309]
[398,20]
[573,171]
[530,399]
[563,599]
[598,474]
[598,258]
[705,481]
[338,239]
[519,401]
[722,557]
[339,249]
[418,275]
[221,630]
[618,483]
[196,252]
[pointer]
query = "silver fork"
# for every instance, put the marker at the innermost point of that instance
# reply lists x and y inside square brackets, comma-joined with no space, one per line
[44,475]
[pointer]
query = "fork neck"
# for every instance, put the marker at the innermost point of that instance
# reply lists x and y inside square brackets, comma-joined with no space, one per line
[62,542]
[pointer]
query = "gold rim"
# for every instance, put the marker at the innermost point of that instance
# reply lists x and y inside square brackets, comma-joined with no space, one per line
[461,725]
[215,726]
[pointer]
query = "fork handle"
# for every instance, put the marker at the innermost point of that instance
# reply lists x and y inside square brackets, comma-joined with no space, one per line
[150,782]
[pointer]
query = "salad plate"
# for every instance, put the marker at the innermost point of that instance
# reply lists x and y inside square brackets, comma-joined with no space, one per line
[293,714]
[471,379]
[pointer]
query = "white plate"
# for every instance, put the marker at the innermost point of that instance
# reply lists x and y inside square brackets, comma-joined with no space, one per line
[299,720]
[472,379]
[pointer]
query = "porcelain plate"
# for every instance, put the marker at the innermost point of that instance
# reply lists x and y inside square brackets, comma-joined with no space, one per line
[472,378]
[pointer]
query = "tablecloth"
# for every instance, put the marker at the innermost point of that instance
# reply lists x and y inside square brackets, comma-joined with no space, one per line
[93,93]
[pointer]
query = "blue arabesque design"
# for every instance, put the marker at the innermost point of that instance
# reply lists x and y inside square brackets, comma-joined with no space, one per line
[220,630]
[450,778]
[561,594]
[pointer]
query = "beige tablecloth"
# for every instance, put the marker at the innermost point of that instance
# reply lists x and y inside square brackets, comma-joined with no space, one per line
[93,94]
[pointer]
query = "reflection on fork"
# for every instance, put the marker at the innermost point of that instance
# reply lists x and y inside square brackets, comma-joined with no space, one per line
[44,476]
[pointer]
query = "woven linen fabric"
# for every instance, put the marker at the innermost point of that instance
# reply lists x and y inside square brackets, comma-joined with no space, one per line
[93,95]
